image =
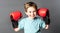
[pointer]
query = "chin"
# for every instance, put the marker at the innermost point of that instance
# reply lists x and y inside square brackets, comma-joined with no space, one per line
[32,17]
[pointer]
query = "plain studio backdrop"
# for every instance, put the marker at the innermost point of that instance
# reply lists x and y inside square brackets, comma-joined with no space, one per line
[8,6]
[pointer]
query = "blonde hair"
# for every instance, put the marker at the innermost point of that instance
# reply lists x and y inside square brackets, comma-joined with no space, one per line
[30,4]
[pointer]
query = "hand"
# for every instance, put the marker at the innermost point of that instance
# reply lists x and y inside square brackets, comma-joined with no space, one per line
[47,26]
[16,29]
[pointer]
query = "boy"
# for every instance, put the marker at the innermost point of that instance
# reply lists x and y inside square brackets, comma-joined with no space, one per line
[31,24]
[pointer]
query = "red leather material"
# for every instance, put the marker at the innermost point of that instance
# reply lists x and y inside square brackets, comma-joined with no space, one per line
[42,12]
[16,15]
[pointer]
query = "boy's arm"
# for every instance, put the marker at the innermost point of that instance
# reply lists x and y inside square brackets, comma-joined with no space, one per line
[20,25]
[43,25]
[16,29]
[47,26]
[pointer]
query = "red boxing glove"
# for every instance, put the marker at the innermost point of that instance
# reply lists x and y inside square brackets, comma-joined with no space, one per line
[16,15]
[42,12]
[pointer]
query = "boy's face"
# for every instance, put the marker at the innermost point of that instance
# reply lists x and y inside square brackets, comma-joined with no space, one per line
[31,12]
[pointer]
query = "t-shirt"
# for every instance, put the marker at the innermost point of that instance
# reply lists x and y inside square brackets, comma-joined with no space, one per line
[31,25]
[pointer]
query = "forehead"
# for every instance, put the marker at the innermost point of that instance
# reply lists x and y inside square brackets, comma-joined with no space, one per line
[31,9]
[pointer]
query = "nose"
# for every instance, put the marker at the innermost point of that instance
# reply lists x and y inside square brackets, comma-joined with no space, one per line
[32,13]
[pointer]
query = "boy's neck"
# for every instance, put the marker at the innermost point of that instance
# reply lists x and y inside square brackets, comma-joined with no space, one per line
[30,18]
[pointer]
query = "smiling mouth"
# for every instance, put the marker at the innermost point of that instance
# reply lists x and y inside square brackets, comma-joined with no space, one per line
[33,16]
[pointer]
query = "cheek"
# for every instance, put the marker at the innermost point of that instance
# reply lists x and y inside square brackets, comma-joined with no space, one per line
[34,13]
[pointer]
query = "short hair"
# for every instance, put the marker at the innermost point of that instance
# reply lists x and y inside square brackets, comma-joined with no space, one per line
[30,4]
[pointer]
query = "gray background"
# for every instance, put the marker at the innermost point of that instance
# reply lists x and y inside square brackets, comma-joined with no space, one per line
[7,6]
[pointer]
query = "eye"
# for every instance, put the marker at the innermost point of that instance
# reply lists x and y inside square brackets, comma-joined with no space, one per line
[29,11]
